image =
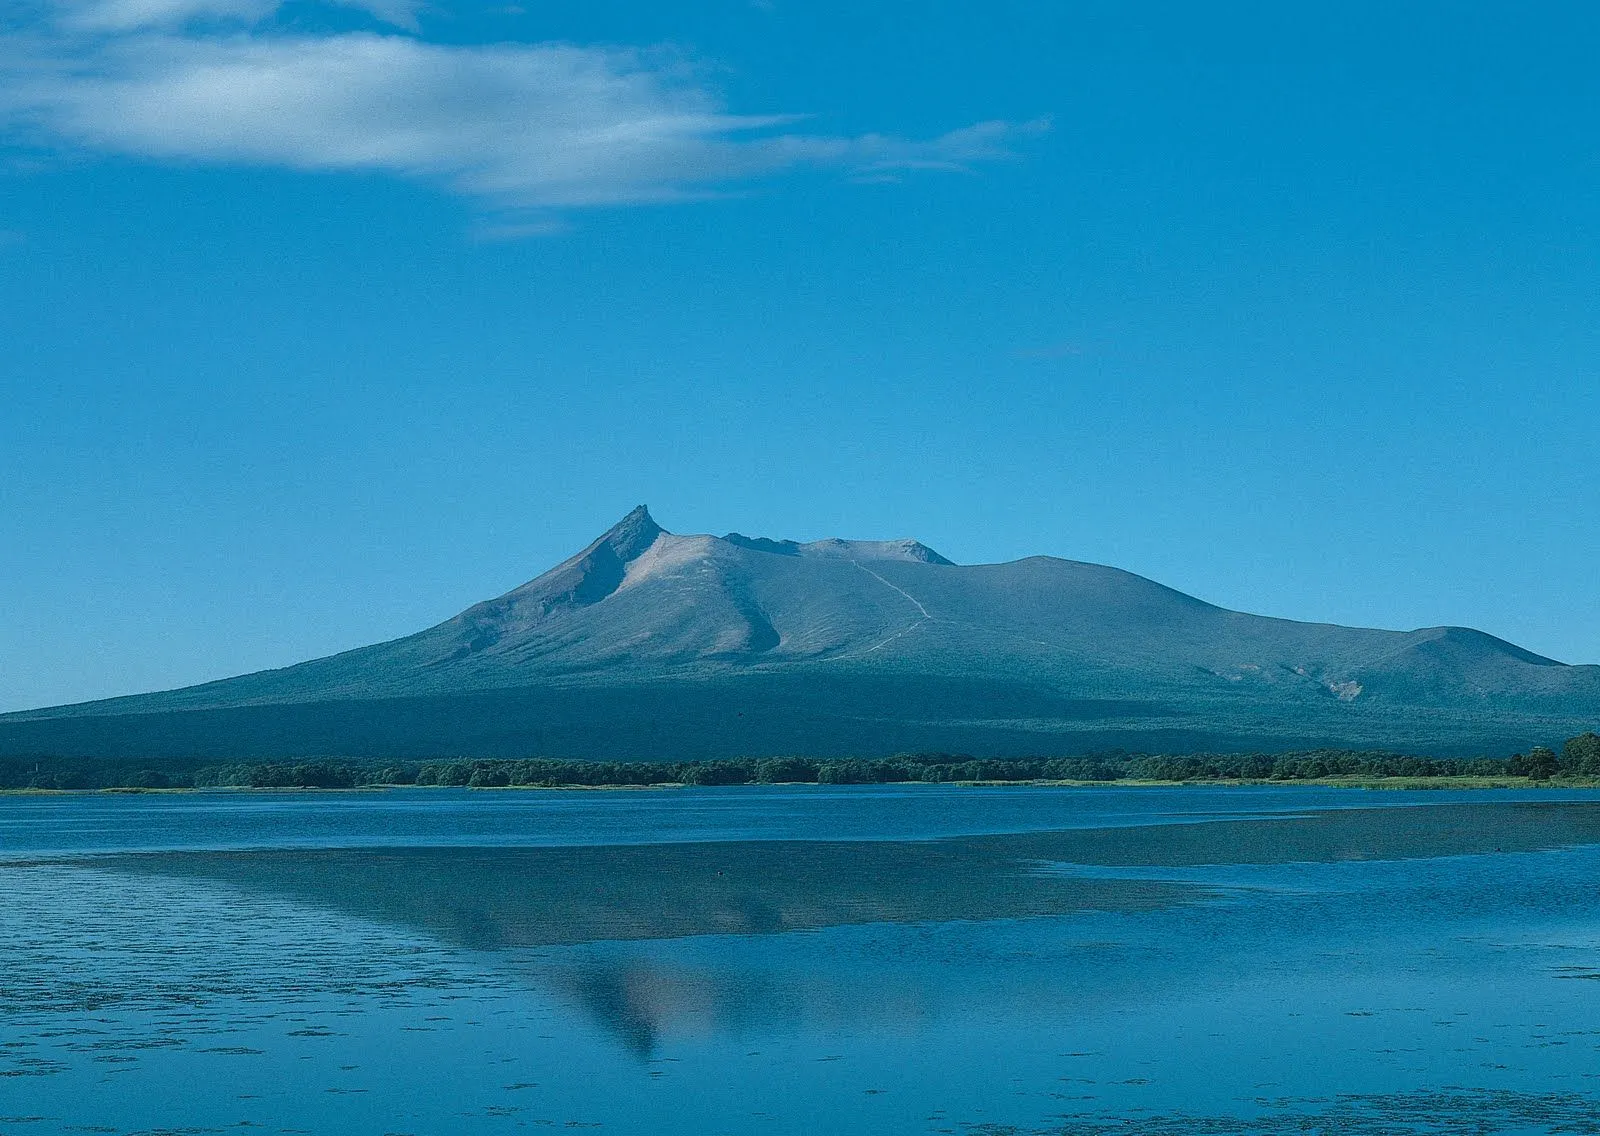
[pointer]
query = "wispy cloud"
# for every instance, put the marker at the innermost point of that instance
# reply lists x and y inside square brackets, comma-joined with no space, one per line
[133,15]
[544,126]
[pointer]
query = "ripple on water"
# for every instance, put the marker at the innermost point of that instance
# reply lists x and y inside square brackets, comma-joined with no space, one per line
[1355,966]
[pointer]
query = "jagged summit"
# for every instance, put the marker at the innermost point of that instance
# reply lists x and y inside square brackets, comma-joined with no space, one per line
[586,578]
[704,572]
[631,535]
[635,533]
[637,548]
[651,642]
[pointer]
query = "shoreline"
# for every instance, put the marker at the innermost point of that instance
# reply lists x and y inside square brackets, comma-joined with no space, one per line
[1371,784]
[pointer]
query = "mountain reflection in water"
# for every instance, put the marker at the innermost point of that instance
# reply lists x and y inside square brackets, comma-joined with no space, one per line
[495,898]
[510,900]
[498,898]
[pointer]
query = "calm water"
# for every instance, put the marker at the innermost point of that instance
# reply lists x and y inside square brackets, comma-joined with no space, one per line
[896,960]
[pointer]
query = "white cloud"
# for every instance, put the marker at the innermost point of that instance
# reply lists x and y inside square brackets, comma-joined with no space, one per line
[130,15]
[134,15]
[523,126]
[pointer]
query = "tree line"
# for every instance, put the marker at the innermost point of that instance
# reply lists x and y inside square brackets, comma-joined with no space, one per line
[1578,758]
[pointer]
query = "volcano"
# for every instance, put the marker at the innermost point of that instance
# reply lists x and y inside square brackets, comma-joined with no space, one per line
[653,645]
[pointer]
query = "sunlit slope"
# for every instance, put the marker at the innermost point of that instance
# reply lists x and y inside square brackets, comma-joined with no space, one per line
[647,640]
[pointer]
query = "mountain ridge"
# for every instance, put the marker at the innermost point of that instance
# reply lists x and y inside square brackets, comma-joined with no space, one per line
[671,624]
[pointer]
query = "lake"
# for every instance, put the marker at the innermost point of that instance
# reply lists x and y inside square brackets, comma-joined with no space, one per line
[864,959]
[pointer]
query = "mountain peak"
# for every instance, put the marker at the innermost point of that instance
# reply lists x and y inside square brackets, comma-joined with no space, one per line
[584,579]
[634,532]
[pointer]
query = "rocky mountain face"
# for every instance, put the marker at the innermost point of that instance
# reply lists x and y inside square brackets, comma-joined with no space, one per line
[651,644]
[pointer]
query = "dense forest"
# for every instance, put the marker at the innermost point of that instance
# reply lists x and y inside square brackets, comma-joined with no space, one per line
[1578,758]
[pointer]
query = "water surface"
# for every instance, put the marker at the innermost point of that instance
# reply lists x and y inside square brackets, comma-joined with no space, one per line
[857,960]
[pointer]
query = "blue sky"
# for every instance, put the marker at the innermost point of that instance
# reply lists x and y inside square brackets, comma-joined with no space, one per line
[320,322]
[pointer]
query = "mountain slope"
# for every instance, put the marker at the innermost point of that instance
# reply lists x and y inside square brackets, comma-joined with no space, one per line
[648,643]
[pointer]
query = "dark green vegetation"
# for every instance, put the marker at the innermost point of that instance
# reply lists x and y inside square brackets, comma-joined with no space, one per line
[1423,1112]
[1578,758]
[695,648]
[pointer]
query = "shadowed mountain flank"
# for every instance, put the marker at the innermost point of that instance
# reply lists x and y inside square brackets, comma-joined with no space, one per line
[653,644]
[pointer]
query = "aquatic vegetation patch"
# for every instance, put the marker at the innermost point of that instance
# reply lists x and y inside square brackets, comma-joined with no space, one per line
[1423,1112]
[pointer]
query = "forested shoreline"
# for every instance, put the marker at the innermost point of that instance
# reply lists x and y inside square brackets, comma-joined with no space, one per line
[1578,758]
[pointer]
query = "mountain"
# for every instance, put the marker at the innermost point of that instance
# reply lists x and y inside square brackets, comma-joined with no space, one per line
[649,644]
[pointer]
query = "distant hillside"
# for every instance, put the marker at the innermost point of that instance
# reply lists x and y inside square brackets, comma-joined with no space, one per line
[652,645]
